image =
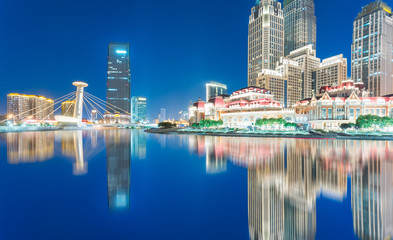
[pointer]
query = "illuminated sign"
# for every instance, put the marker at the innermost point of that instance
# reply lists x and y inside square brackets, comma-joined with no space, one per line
[121,51]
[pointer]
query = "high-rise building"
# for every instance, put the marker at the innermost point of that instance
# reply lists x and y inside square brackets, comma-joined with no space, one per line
[265,37]
[67,108]
[307,59]
[138,109]
[118,92]
[293,72]
[162,116]
[22,107]
[300,24]
[372,48]
[276,83]
[331,72]
[214,89]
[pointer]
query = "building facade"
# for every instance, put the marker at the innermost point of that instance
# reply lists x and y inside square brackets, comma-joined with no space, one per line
[342,104]
[307,58]
[29,107]
[241,109]
[265,37]
[67,108]
[372,48]
[214,89]
[331,72]
[300,25]
[162,115]
[293,72]
[276,83]
[138,109]
[119,78]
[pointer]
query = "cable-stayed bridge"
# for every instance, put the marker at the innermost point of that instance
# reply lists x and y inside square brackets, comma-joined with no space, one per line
[82,110]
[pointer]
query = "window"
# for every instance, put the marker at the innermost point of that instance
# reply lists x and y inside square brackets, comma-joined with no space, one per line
[323,113]
[351,113]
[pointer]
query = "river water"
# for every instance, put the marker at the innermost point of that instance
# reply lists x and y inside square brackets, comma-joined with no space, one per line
[126,184]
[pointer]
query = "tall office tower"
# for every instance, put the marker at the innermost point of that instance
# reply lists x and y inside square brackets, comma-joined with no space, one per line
[138,109]
[162,116]
[291,70]
[118,152]
[21,107]
[213,89]
[372,48]
[118,93]
[307,59]
[276,83]
[331,72]
[265,37]
[300,24]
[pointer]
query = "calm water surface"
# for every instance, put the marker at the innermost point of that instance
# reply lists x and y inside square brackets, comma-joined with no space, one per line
[125,184]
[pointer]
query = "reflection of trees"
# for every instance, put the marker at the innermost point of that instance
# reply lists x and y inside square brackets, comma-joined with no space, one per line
[285,177]
[30,147]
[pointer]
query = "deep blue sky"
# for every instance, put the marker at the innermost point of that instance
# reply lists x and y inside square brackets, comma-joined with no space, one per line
[176,46]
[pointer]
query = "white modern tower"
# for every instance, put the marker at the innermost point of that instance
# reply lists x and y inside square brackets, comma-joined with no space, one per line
[78,110]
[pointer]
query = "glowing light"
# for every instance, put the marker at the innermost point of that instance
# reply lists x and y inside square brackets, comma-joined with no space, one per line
[121,51]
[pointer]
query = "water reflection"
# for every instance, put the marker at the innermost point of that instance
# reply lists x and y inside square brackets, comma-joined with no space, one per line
[118,152]
[286,176]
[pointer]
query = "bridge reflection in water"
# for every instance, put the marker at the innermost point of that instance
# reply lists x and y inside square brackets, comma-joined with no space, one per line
[81,147]
[286,176]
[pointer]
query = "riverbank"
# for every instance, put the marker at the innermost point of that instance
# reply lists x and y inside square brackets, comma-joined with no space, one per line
[310,135]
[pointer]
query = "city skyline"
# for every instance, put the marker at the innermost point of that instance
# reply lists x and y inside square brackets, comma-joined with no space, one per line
[42,70]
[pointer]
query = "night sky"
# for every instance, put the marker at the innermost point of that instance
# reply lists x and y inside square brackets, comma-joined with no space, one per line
[176,46]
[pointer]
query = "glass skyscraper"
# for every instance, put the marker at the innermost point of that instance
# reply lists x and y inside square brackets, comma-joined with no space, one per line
[118,92]
[214,89]
[138,109]
[300,24]
[265,38]
[372,48]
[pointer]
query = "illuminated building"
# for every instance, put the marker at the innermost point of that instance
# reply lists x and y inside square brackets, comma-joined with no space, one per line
[265,38]
[300,25]
[343,104]
[29,107]
[119,78]
[117,118]
[138,109]
[372,48]
[331,72]
[307,59]
[138,144]
[67,108]
[276,83]
[214,89]
[241,109]
[293,72]
[118,152]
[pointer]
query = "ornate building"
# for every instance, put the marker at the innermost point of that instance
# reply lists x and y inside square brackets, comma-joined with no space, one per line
[343,104]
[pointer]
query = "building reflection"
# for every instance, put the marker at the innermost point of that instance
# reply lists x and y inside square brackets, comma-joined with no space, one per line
[118,152]
[29,147]
[138,144]
[287,176]
[72,146]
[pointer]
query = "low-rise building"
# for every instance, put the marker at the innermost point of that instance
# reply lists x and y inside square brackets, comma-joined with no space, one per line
[241,109]
[334,106]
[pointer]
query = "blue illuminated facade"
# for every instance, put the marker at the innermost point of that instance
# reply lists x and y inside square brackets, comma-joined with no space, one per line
[119,78]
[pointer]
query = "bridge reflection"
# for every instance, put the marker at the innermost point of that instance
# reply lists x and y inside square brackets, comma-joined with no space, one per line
[286,176]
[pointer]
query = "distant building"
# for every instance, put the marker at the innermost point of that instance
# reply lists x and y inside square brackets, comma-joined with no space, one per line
[293,72]
[300,24]
[276,83]
[29,107]
[372,48]
[67,108]
[213,89]
[331,72]
[265,38]
[119,78]
[162,116]
[117,119]
[138,109]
